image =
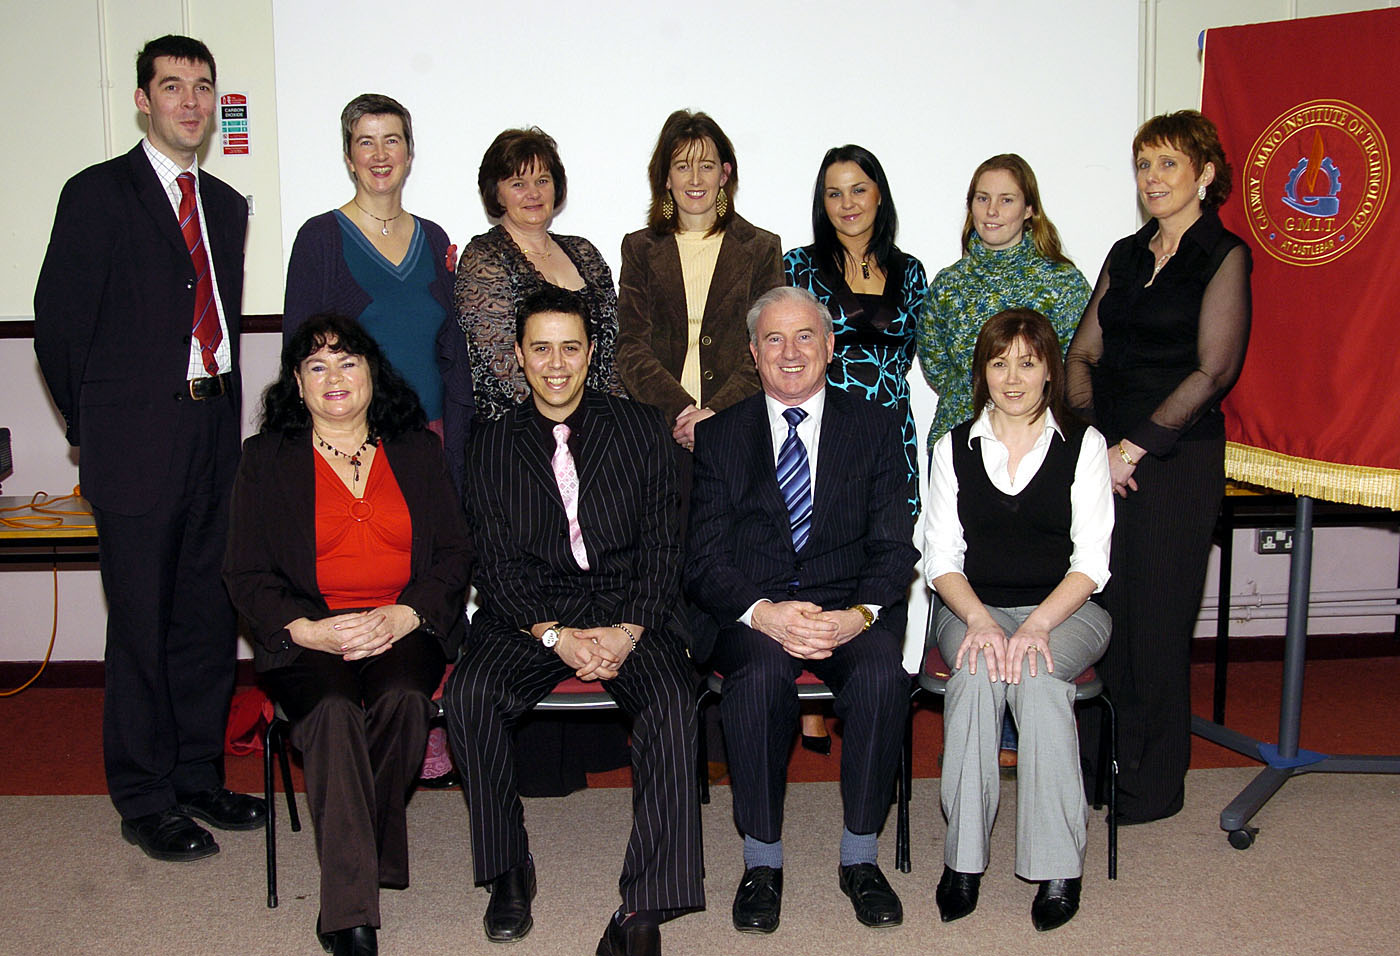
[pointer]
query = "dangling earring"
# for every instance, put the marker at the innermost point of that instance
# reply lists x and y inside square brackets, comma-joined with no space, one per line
[1201,192]
[721,203]
[668,207]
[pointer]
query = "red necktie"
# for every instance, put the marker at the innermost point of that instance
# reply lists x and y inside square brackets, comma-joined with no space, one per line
[206,317]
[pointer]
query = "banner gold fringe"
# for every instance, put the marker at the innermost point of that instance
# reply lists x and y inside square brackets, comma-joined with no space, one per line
[1350,484]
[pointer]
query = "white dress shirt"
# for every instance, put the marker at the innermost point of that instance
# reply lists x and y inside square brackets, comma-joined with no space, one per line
[1090,497]
[167,172]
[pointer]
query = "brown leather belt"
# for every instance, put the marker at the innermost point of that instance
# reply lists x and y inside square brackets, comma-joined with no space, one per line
[211,387]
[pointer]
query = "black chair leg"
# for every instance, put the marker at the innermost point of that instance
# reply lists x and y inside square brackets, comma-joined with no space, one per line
[271,738]
[1111,719]
[702,747]
[285,762]
[903,787]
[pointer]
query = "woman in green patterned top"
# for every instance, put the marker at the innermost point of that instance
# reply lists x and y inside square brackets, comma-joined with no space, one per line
[1011,259]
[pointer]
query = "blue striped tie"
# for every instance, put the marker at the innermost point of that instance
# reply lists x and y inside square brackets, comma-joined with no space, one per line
[794,480]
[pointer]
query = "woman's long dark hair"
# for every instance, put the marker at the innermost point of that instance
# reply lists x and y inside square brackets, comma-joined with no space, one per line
[393,408]
[829,251]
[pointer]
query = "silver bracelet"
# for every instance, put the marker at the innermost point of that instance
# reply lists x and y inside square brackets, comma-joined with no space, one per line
[628,631]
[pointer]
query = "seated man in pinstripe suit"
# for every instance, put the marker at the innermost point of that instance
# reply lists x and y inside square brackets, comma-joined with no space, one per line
[800,551]
[572,499]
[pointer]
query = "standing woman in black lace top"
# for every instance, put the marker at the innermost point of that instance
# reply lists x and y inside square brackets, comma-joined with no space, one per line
[1161,343]
[522,184]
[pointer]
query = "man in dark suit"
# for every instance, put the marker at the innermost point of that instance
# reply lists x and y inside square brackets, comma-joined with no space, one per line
[571,499]
[136,318]
[800,552]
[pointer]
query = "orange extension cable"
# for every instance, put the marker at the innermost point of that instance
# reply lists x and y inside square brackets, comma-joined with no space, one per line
[45,515]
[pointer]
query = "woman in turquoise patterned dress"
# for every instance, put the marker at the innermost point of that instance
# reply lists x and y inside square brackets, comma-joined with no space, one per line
[873,290]
[1011,259]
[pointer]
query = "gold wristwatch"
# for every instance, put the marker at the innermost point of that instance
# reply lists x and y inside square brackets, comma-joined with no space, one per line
[866,613]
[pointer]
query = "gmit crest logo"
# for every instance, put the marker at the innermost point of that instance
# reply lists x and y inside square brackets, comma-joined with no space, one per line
[1315,182]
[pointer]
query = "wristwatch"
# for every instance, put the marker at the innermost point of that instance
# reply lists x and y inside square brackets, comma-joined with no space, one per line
[551,636]
[865,612]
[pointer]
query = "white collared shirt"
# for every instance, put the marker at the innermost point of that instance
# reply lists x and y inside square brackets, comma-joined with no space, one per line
[1090,496]
[167,172]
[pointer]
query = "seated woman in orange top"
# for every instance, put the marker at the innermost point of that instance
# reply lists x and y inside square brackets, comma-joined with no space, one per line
[349,557]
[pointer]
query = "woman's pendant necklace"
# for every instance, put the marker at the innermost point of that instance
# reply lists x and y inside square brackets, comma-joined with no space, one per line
[385,230]
[865,268]
[354,458]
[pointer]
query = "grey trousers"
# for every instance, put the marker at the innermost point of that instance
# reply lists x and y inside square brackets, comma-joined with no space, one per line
[1051,812]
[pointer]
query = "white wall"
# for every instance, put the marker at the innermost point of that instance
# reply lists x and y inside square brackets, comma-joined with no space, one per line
[931,87]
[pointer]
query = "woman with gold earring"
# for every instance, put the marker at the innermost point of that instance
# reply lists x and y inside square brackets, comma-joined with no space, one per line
[688,279]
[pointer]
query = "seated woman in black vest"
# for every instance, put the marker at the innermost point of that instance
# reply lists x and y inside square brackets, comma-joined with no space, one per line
[1020,514]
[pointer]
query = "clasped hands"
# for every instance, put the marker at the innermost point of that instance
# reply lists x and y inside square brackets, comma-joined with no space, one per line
[595,653]
[684,432]
[358,634]
[1004,656]
[804,629]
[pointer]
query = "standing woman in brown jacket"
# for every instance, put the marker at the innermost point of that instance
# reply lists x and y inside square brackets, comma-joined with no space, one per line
[687,281]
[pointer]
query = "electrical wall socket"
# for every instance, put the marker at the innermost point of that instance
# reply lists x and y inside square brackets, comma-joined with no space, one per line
[1273,541]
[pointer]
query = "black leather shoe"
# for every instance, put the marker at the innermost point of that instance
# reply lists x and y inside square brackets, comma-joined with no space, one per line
[225,809]
[759,900]
[818,745]
[169,836]
[872,896]
[957,894]
[634,937]
[508,914]
[356,941]
[1055,904]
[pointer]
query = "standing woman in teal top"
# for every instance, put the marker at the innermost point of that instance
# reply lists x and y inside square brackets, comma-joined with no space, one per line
[372,261]
[1011,259]
[874,290]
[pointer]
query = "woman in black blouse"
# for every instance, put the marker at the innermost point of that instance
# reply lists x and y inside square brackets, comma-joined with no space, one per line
[1161,343]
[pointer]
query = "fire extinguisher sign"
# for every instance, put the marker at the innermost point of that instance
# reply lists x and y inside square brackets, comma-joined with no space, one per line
[233,123]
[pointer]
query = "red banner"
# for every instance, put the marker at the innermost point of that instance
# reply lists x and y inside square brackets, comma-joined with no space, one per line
[1308,110]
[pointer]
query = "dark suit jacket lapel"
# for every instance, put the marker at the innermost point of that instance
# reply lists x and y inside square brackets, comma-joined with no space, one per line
[155,200]
[535,450]
[758,434]
[833,445]
[591,454]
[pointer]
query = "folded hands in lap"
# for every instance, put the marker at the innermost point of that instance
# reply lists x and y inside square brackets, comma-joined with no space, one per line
[357,634]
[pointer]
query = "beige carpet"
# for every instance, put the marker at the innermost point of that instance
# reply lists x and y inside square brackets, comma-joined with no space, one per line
[1321,878]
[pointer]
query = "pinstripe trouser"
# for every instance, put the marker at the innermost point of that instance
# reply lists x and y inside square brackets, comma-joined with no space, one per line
[501,676]
[759,708]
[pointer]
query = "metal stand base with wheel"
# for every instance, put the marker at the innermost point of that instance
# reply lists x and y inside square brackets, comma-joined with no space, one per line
[1285,760]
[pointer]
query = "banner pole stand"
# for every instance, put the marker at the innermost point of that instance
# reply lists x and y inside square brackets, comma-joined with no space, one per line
[1286,759]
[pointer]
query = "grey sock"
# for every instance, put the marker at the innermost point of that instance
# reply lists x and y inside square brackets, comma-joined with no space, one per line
[858,848]
[758,853]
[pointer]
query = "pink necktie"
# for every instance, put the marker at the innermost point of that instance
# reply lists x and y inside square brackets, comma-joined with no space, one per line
[567,477]
[206,317]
